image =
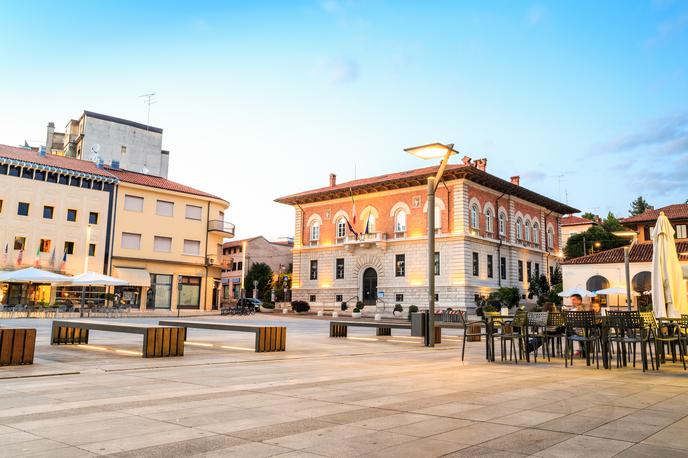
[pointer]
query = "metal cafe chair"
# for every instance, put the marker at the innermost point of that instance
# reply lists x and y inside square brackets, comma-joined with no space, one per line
[582,327]
[515,332]
[629,331]
[468,332]
[537,331]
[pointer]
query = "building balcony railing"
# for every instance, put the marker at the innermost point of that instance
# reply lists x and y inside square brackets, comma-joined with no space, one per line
[223,227]
[370,239]
[215,260]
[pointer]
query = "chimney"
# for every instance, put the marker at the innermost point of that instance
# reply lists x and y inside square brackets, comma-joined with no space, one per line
[481,164]
[333,180]
[114,164]
[49,137]
[466,160]
[516,180]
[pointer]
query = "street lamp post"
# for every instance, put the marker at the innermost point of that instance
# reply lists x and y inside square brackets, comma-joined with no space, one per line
[432,151]
[627,264]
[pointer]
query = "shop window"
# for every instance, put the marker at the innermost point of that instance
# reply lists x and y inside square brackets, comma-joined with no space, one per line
[190,293]
[161,291]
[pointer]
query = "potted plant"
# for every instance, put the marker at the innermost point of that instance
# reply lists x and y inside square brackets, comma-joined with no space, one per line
[412,309]
[267,307]
[398,310]
[356,313]
[300,306]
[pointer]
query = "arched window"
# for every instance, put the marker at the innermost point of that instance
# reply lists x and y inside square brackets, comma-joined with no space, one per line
[489,223]
[341,228]
[596,283]
[400,221]
[527,231]
[502,223]
[536,234]
[371,223]
[550,238]
[475,222]
[519,229]
[315,231]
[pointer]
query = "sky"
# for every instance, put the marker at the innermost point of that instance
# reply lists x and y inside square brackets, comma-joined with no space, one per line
[587,101]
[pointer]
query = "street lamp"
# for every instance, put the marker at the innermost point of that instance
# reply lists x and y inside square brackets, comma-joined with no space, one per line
[432,151]
[633,235]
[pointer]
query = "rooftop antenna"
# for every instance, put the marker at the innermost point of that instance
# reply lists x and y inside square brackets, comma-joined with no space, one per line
[148,99]
[94,153]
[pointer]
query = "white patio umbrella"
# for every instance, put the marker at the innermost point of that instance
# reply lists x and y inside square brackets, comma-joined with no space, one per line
[668,287]
[577,290]
[33,275]
[619,291]
[94,279]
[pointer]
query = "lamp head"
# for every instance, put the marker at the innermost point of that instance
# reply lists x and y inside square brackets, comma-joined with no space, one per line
[431,151]
[625,234]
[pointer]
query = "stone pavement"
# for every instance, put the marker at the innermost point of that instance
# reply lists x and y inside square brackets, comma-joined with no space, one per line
[360,396]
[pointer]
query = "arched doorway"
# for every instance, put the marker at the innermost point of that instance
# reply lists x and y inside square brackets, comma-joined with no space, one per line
[642,284]
[369,286]
[596,283]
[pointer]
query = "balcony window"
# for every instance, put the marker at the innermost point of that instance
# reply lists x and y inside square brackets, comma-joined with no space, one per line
[400,222]
[341,228]
[19,243]
[315,233]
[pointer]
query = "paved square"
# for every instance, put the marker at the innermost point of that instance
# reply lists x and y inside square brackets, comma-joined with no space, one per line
[359,396]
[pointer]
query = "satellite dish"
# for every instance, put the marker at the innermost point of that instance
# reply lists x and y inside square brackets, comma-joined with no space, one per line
[144,170]
[94,153]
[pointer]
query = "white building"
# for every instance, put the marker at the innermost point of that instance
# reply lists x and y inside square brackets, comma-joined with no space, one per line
[489,233]
[118,142]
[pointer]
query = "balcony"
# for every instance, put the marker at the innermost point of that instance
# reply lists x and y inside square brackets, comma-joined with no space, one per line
[370,240]
[214,260]
[221,227]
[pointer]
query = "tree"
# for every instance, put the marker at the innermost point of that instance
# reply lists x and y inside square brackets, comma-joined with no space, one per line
[590,216]
[611,223]
[639,206]
[262,273]
[596,238]
[506,296]
[539,287]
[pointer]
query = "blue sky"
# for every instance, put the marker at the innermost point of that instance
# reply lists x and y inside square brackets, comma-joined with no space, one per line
[587,101]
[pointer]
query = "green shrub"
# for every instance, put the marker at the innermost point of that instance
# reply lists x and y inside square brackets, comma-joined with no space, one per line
[398,308]
[268,305]
[359,305]
[490,308]
[645,308]
[357,310]
[300,306]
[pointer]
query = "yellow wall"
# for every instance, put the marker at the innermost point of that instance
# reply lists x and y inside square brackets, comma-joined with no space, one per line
[34,227]
[178,228]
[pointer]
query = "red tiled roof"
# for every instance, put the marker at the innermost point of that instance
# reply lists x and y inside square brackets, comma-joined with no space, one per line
[640,252]
[573,220]
[156,182]
[416,177]
[676,211]
[51,160]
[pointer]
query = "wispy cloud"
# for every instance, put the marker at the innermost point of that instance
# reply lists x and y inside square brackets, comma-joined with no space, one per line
[535,14]
[668,136]
[668,29]
[337,71]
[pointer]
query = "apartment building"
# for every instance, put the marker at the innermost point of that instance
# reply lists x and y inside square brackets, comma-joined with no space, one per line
[367,239]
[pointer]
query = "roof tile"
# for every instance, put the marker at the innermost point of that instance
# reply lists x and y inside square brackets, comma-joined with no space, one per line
[640,252]
[51,160]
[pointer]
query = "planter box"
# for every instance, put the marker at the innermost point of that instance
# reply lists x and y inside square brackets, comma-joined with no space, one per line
[356,315]
[266,310]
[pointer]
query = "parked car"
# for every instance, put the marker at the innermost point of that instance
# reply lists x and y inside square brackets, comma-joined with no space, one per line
[250,302]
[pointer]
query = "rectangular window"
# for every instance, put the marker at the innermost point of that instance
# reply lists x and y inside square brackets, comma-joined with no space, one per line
[45,245]
[551,272]
[48,212]
[529,270]
[537,270]
[520,270]
[437,263]
[91,249]
[240,266]
[338,298]
[311,298]
[23,209]
[161,285]
[490,267]
[131,241]
[314,269]
[193,212]
[52,177]
[133,203]
[400,265]
[399,297]
[502,267]
[192,247]
[93,218]
[190,291]
[69,247]
[476,264]
[123,150]
[162,244]
[681,231]
[19,243]
[164,208]
[39,175]
[71,215]
[64,179]
[339,268]
[0,205]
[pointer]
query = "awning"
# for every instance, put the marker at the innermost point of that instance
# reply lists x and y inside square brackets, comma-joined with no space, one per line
[135,277]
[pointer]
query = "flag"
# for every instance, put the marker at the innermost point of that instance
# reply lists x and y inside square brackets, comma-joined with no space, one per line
[367,226]
[52,259]
[20,257]
[353,207]
[63,264]
[37,262]
[351,228]
[4,258]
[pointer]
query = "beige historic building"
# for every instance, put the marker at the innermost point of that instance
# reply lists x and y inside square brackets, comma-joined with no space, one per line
[489,233]
[572,225]
[55,214]
[167,242]
[240,255]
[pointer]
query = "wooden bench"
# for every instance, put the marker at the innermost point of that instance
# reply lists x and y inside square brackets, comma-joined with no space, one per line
[382,328]
[268,338]
[158,341]
[17,346]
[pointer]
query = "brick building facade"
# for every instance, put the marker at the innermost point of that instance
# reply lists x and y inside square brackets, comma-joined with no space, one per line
[489,233]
